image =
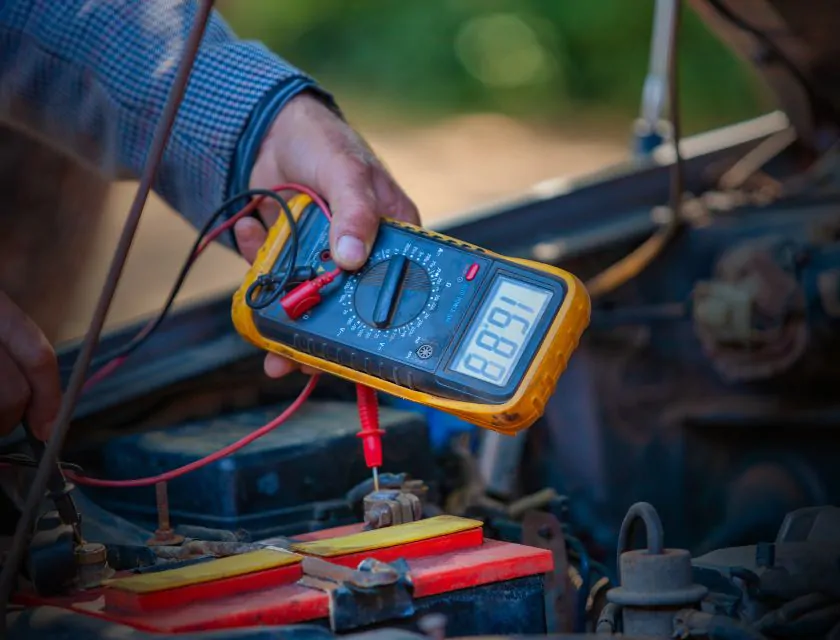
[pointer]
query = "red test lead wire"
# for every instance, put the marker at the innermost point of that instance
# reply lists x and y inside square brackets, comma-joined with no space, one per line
[370,434]
[297,302]
[249,208]
[213,457]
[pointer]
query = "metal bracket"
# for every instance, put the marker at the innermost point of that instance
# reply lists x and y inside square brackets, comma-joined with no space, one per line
[386,508]
[374,592]
[544,531]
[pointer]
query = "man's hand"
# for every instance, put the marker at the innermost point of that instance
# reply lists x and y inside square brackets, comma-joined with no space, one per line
[29,381]
[310,145]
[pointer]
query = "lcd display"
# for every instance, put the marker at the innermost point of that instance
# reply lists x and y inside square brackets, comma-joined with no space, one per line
[501,331]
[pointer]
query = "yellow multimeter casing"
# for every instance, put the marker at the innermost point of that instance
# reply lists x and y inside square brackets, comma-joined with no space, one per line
[539,375]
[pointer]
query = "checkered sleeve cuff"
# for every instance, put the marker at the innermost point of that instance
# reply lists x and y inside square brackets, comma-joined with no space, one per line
[234,95]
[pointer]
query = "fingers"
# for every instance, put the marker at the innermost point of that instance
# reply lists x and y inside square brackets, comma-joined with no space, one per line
[363,192]
[348,187]
[35,358]
[309,144]
[14,393]
[277,367]
[249,237]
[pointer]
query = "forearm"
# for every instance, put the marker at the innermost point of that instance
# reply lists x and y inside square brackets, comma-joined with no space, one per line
[92,77]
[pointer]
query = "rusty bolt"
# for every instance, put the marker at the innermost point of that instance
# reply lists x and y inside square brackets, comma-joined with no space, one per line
[92,564]
[164,536]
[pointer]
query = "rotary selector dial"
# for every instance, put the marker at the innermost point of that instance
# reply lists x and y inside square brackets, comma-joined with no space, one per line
[393,292]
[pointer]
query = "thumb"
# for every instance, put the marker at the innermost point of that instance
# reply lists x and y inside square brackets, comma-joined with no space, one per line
[352,199]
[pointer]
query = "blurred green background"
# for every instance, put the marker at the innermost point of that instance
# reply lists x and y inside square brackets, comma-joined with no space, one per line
[562,62]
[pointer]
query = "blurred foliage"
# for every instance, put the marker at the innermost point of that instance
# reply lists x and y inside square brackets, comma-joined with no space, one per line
[540,59]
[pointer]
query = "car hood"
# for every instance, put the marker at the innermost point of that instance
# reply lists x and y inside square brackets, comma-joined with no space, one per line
[794,47]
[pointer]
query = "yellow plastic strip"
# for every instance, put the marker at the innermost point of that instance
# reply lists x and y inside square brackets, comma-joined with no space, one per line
[387,537]
[250,562]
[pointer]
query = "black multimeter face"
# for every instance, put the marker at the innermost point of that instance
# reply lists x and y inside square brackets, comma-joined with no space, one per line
[426,314]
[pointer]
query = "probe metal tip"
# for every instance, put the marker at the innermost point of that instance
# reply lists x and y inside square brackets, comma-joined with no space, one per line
[375,478]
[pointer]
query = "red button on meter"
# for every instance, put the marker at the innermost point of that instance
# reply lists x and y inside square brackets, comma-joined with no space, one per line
[472,272]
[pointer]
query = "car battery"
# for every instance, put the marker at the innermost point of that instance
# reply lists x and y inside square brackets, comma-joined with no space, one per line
[344,580]
[293,479]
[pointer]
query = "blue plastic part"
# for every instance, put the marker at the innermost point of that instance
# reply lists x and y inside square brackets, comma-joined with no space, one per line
[442,426]
[645,144]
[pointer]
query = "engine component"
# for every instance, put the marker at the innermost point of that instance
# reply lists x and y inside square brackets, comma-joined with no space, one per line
[213,535]
[543,530]
[389,507]
[375,592]
[92,565]
[655,583]
[418,488]
[164,535]
[789,588]
[59,490]
[441,565]
[692,624]
[56,563]
[812,524]
[202,548]
[751,319]
[50,562]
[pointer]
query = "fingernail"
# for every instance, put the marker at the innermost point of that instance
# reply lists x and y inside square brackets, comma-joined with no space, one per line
[350,252]
[277,367]
[247,227]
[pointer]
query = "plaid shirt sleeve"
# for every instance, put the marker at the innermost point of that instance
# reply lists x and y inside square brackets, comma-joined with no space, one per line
[92,77]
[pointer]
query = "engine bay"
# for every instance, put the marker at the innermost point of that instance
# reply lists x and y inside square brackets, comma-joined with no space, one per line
[681,483]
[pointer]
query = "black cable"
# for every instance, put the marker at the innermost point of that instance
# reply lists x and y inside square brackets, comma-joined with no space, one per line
[146,333]
[21,460]
[771,46]
[270,282]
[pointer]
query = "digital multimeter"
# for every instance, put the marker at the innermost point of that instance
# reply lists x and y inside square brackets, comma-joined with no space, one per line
[428,319]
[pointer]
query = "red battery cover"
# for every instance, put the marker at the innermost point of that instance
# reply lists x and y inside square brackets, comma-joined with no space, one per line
[444,554]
